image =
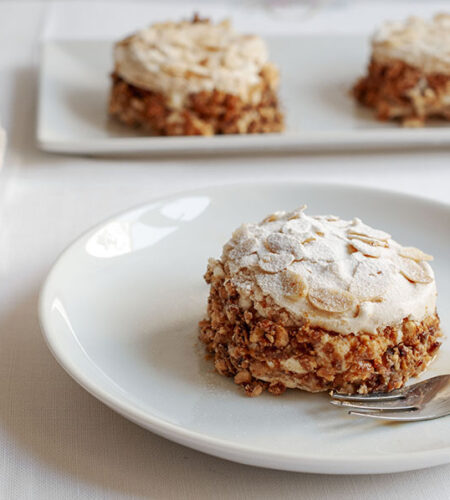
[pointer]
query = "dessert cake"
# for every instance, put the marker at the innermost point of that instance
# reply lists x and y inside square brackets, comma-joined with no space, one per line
[319,303]
[195,78]
[409,72]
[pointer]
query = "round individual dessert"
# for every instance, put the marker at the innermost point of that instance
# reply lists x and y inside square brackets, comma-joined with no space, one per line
[319,303]
[409,73]
[195,78]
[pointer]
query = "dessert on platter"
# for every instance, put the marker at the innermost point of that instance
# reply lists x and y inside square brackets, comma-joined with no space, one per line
[319,303]
[408,76]
[195,78]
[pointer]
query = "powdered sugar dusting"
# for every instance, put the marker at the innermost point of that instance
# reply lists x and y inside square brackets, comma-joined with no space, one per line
[344,276]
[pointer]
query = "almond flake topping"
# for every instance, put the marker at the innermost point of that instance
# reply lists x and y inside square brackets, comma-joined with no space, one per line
[415,272]
[275,262]
[331,300]
[368,241]
[272,217]
[366,249]
[296,226]
[294,286]
[297,213]
[279,243]
[414,254]
[318,250]
[245,246]
[359,228]
[329,218]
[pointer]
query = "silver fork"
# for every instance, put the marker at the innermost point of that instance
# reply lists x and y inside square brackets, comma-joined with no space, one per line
[425,400]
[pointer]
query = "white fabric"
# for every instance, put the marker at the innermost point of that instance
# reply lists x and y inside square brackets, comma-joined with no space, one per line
[58,442]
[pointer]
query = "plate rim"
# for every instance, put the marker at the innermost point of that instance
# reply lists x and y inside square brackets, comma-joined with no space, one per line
[250,455]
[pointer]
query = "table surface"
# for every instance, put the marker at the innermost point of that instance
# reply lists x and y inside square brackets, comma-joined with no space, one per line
[56,441]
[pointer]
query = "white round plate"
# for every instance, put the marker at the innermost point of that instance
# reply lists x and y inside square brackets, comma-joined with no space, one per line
[120,309]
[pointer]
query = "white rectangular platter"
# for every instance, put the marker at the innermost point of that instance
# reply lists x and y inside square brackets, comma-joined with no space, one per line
[317,73]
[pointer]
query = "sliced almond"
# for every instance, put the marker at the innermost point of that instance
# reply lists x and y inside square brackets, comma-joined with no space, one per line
[296,214]
[369,241]
[280,242]
[173,70]
[320,250]
[275,262]
[366,249]
[240,232]
[272,217]
[414,254]
[415,272]
[211,48]
[331,300]
[374,234]
[247,245]
[294,286]
[329,218]
[198,73]
[247,261]
[359,228]
[297,226]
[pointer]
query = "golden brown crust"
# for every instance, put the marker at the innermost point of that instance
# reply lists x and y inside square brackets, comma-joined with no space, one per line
[400,91]
[254,350]
[204,113]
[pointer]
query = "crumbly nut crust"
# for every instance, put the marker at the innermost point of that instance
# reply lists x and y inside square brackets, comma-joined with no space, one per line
[273,353]
[205,113]
[397,90]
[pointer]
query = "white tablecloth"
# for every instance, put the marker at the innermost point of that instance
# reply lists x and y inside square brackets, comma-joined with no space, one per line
[56,441]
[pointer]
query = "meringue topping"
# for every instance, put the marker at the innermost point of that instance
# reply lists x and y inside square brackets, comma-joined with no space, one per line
[418,42]
[343,276]
[178,59]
